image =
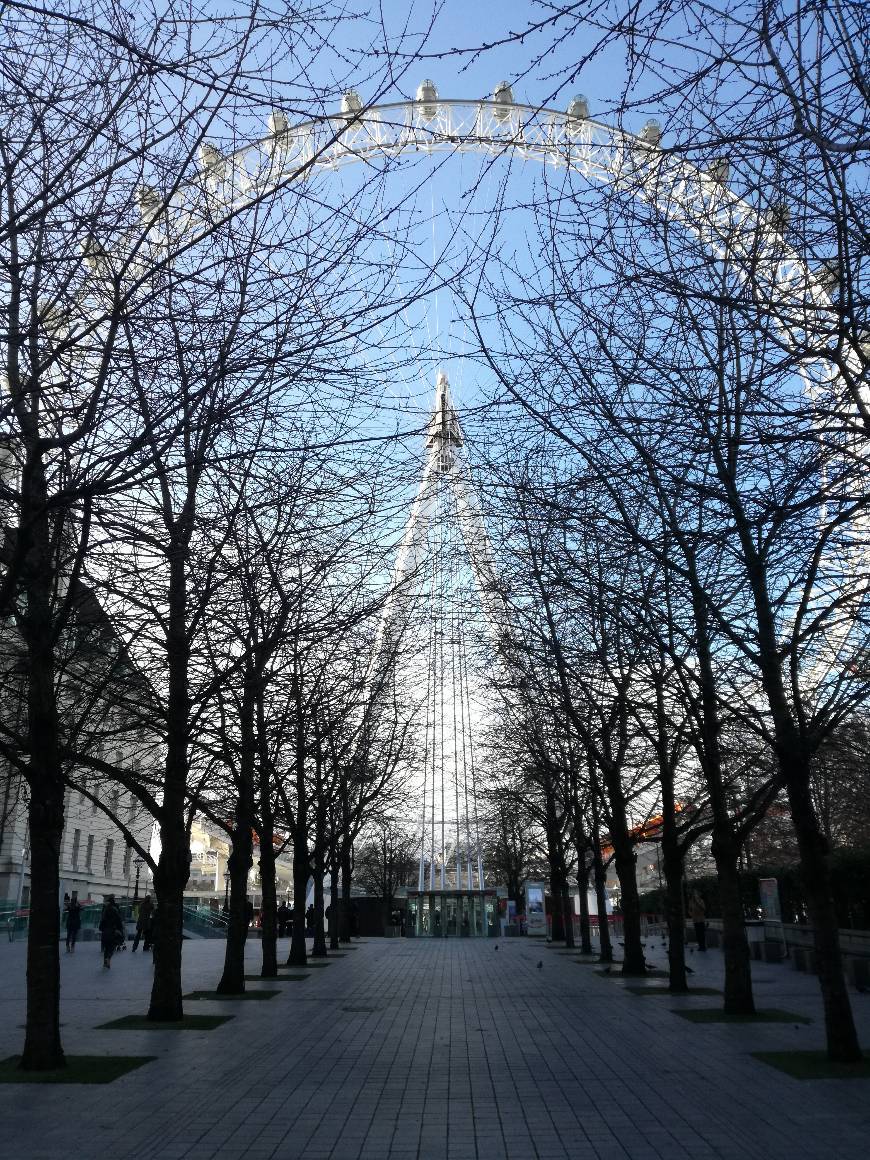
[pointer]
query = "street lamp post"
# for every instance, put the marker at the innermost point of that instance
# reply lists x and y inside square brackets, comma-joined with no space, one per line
[137,862]
[20,895]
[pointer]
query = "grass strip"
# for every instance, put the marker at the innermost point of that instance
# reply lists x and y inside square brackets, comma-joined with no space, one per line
[255,995]
[79,1069]
[717,1015]
[813,1065]
[617,974]
[640,989]
[188,1023]
[279,978]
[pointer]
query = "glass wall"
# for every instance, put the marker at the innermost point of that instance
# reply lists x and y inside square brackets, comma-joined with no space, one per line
[451,914]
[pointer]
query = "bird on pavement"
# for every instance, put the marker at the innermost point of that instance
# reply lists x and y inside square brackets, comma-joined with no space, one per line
[496,946]
[540,966]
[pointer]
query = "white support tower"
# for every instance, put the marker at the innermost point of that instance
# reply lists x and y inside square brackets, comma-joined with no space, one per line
[444,540]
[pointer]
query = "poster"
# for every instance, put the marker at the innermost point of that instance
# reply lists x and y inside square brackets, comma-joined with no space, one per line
[536,918]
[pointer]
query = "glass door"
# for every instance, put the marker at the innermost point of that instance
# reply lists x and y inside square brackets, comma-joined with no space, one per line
[436,904]
[451,930]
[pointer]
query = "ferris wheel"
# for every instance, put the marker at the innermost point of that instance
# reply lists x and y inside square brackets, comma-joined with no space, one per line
[726,226]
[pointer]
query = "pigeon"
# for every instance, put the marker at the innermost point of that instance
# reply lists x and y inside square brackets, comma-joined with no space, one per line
[540,966]
[496,946]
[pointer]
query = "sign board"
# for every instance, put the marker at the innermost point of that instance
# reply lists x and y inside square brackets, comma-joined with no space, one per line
[768,889]
[536,918]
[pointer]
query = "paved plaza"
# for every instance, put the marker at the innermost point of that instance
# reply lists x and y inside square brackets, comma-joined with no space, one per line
[426,1050]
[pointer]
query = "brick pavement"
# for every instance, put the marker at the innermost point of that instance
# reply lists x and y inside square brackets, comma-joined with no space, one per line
[444,1050]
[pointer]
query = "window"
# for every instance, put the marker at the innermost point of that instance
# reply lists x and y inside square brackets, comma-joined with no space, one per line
[89,854]
[108,856]
[115,798]
[125,870]
[77,838]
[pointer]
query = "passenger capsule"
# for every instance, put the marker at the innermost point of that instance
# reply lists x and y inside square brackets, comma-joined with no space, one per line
[351,105]
[651,133]
[427,94]
[578,109]
[277,123]
[503,99]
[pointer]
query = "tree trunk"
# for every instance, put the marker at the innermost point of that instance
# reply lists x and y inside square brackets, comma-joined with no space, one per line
[346,916]
[269,913]
[269,927]
[232,981]
[633,962]
[42,1045]
[334,902]
[173,867]
[301,861]
[298,955]
[557,880]
[241,858]
[318,950]
[738,971]
[600,877]
[672,864]
[170,879]
[568,915]
[583,888]
[842,1037]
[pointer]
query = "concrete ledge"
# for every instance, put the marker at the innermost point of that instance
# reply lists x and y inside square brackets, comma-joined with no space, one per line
[804,959]
[858,971]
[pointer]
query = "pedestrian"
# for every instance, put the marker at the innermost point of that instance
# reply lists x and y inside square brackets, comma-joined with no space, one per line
[73,922]
[698,915]
[112,932]
[283,916]
[309,920]
[144,921]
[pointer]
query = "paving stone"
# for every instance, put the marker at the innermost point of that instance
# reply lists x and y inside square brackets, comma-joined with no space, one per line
[433,1051]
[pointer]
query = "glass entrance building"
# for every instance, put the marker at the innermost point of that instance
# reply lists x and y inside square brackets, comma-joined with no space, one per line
[451,914]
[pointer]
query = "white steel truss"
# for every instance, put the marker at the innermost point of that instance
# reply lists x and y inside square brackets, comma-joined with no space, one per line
[728,226]
[417,579]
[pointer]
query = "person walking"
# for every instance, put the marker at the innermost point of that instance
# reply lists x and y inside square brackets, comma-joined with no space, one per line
[112,932]
[73,922]
[698,915]
[283,916]
[143,924]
